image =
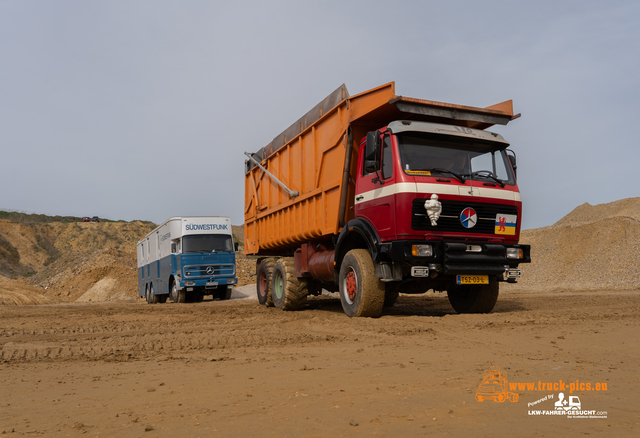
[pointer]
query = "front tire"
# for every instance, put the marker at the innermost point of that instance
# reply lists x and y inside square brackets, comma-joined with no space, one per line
[288,291]
[264,274]
[178,296]
[223,293]
[474,299]
[361,293]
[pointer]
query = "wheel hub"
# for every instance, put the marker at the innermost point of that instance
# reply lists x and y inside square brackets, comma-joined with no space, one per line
[278,286]
[352,285]
[263,285]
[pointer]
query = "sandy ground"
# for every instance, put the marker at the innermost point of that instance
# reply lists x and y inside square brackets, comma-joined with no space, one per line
[235,368]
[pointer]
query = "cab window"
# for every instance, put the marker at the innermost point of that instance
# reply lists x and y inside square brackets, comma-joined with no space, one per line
[387,158]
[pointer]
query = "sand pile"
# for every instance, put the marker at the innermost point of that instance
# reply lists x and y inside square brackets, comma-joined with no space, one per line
[592,248]
[76,275]
[13,292]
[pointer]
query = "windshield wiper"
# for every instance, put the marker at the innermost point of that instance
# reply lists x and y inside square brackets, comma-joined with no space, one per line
[487,174]
[459,177]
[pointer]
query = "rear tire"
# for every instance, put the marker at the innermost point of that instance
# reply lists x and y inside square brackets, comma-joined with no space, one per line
[264,274]
[474,299]
[151,297]
[162,299]
[288,291]
[361,293]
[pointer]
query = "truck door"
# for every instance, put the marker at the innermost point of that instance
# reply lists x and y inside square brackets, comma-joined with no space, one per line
[375,192]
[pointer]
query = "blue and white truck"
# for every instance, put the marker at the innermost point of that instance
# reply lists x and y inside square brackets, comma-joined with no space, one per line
[187,258]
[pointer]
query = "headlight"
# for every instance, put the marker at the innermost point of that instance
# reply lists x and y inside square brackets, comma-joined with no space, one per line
[514,253]
[422,250]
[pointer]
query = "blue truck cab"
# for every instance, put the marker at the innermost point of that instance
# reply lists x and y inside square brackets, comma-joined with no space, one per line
[187,258]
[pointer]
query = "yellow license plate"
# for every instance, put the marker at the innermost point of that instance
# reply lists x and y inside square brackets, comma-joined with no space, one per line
[472,279]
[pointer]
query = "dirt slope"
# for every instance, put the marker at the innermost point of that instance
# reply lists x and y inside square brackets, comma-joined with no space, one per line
[13,292]
[75,273]
[66,260]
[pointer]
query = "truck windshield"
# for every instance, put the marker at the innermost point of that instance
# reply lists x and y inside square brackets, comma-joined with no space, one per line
[430,155]
[206,243]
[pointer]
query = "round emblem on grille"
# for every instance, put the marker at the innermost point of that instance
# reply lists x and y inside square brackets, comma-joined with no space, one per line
[209,270]
[468,217]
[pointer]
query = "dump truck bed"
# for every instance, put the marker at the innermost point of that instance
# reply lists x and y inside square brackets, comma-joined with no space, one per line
[311,159]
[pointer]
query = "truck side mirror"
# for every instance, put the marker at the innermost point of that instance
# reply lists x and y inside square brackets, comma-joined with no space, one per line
[236,245]
[372,152]
[174,248]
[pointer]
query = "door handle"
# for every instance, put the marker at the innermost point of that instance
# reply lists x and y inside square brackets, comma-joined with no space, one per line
[359,198]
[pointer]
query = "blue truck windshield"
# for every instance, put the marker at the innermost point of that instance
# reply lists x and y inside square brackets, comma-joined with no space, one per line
[204,243]
[426,155]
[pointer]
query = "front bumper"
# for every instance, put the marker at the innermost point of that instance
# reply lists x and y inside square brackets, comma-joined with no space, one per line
[208,283]
[457,258]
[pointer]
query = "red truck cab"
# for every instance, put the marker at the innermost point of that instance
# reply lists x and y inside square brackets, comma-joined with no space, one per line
[444,208]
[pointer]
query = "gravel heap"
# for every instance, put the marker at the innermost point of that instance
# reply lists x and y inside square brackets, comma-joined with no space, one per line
[73,274]
[595,247]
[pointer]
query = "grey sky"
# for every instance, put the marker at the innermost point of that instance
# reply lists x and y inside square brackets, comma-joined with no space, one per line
[143,109]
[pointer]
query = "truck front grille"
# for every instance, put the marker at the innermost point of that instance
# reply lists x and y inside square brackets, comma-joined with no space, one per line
[450,217]
[208,271]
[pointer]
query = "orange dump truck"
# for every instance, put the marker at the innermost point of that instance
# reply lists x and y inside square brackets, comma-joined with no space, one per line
[376,194]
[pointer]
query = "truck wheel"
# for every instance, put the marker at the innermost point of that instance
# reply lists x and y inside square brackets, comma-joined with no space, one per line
[361,293]
[264,273]
[474,299]
[223,293]
[151,297]
[178,296]
[287,291]
[391,293]
[162,299]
